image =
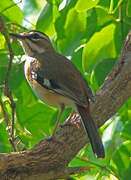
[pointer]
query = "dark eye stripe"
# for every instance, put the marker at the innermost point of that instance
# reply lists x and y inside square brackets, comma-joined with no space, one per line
[37,33]
[35,36]
[31,38]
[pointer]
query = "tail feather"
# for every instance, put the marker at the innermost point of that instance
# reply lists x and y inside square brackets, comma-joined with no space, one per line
[92,132]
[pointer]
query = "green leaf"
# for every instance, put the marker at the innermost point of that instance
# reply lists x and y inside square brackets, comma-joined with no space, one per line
[3,71]
[102,69]
[126,132]
[33,115]
[2,41]
[76,59]
[117,5]
[91,23]
[78,161]
[11,11]
[121,161]
[128,8]
[16,76]
[84,5]
[45,20]
[3,60]
[96,19]
[17,49]
[103,17]
[100,46]
[112,136]
[105,4]
[72,33]
[4,142]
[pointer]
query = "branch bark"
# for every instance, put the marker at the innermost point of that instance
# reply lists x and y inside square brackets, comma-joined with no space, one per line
[50,159]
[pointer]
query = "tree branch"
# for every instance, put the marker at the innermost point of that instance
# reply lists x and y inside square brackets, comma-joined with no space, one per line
[50,159]
[7,91]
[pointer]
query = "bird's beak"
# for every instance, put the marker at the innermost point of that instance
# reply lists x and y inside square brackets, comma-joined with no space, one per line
[18,36]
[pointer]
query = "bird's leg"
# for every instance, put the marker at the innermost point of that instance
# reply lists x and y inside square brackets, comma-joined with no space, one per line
[70,117]
[67,122]
[58,120]
[56,125]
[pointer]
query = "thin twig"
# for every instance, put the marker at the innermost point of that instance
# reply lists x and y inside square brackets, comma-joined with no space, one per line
[7,124]
[7,91]
[18,25]
[98,165]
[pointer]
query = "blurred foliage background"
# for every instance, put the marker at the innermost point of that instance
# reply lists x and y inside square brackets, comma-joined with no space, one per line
[91,34]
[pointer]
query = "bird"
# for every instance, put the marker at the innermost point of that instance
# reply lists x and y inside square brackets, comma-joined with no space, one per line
[57,82]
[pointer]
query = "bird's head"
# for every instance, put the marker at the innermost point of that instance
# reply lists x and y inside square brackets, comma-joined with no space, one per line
[34,42]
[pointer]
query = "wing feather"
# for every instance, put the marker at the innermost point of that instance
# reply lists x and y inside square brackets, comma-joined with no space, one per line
[63,77]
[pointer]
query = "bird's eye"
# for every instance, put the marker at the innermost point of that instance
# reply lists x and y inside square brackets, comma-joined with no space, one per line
[35,36]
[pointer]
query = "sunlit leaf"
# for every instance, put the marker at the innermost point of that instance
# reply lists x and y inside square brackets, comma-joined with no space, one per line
[121,160]
[2,42]
[73,33]
[84,5]
[112,136]
[128,10]
[45,20]
[101,45]
[11,11]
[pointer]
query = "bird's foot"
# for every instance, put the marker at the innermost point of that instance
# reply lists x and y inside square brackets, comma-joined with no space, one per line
[66,123]
[72,123]
[76,125]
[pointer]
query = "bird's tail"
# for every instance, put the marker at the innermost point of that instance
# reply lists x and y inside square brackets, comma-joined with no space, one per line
[92,132]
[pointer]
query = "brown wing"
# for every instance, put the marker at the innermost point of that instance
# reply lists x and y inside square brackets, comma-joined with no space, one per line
[64,77]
